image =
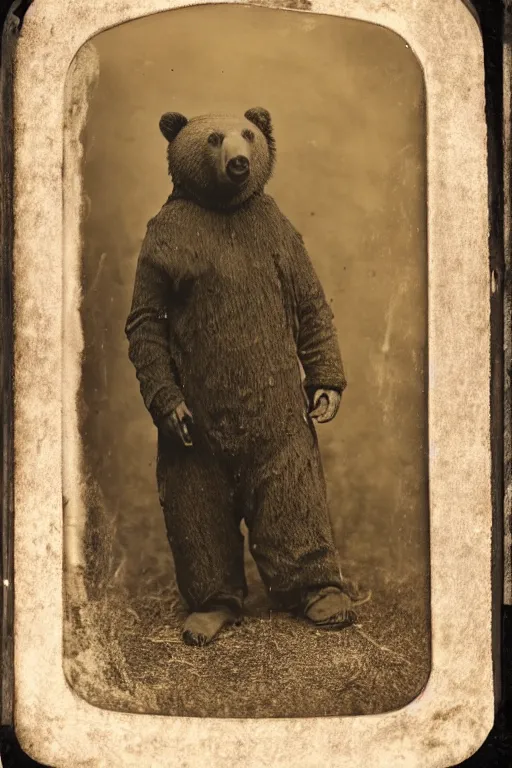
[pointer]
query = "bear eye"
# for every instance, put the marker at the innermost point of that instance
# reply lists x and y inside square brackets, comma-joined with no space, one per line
[248,134]
[214,139]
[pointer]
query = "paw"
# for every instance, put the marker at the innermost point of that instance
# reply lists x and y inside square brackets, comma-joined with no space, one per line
[202,627]
[325,405]
[195,638]
[176,424]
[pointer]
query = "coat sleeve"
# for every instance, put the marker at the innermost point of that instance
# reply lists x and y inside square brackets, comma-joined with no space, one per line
[317,342]
[147,330]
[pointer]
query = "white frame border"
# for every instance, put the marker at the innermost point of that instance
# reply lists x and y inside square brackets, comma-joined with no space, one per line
[455,712]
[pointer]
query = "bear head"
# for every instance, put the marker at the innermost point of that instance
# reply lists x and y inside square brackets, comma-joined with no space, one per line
[218,160]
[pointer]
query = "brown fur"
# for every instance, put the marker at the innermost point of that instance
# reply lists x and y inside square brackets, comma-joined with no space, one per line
[199,167]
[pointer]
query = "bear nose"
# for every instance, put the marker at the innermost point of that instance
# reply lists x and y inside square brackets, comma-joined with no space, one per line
[238,166]
[239,163]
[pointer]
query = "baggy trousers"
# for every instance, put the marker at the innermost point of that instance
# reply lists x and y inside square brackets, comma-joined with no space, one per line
[277,488]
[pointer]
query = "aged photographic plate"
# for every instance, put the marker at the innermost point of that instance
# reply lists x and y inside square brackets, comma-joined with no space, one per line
[380,136]
[368,243]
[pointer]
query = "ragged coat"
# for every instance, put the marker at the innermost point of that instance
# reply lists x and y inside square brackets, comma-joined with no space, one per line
[227,309]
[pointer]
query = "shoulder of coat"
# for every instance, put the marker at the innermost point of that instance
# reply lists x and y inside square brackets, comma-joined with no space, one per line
[268,203]
[170,219]
[273,211]
[280,217]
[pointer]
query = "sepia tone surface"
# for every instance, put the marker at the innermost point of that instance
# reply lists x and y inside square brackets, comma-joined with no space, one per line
[348,106]
[454,713]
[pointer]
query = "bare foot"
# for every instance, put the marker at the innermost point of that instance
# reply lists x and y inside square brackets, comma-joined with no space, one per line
[201,628]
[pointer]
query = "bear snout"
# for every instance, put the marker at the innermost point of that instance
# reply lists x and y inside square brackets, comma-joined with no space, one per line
[238,168]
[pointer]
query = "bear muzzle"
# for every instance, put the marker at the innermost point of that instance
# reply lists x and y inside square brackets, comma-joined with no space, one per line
[238,169]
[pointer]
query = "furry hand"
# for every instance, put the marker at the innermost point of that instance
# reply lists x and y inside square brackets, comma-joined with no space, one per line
[324,405]
[176,424]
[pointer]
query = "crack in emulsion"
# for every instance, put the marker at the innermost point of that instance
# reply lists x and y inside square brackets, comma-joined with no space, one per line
[381,647]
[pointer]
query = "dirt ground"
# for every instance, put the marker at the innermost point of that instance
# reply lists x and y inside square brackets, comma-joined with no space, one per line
[271,666]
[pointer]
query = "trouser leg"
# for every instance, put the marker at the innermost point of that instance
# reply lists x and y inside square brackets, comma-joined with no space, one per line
[287,516]
[202,519]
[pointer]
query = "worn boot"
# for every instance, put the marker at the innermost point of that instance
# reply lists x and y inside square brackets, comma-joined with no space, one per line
[332,607]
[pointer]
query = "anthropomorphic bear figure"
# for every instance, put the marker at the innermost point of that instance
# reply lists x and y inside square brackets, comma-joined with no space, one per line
[226,307]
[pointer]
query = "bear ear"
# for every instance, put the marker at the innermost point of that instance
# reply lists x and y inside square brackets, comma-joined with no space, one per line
[260,117]
[171,124]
